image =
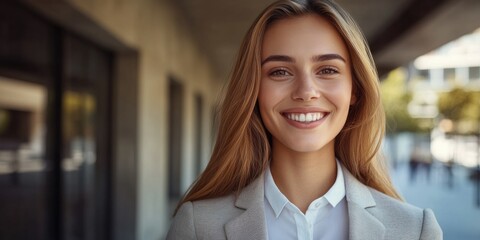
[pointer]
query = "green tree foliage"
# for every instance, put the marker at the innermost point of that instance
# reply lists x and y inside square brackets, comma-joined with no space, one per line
[462,107]
[395,100]
[452,104]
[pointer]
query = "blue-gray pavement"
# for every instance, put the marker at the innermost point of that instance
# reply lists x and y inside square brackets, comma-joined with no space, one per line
[454,203]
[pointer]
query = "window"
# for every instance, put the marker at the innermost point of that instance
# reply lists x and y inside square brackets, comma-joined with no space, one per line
[474,73]
[449,74]
[424,73]
[54,130]
[198,132]
[175,120]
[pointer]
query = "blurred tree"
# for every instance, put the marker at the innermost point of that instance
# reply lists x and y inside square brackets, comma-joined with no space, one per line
[452,104]
[395,100]
[462,107]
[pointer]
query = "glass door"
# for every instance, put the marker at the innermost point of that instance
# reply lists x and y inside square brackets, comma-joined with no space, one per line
[85,127]
[55,120]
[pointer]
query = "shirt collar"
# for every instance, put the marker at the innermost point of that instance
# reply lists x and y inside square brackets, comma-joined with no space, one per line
[276,198]
[278,201]
[336,193]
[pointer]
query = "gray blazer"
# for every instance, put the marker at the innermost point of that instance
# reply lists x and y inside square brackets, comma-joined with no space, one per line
[372,215]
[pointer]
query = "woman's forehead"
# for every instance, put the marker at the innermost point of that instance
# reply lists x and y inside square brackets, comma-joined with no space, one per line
[303,35]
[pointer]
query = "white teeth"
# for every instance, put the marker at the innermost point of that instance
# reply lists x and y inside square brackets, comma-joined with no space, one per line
[302,117]
[305,117]
[309,117]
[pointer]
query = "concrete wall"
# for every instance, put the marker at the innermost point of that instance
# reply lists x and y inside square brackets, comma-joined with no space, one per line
[166,47]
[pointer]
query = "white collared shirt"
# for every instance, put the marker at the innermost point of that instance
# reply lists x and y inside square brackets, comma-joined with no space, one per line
[326,217]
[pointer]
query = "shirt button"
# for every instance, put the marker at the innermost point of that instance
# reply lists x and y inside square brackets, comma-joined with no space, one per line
[317,204]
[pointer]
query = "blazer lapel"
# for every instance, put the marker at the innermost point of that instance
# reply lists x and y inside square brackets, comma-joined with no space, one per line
[251,223]
[363,225]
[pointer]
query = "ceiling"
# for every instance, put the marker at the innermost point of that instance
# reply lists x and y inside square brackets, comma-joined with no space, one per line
[397,30]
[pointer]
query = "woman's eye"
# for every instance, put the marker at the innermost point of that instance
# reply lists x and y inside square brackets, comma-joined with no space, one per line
[280,73]
[328,71]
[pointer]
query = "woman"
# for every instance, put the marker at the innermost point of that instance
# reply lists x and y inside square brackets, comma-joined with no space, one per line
[297,153]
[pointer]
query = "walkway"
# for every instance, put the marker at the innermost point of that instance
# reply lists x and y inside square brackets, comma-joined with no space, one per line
[454,202]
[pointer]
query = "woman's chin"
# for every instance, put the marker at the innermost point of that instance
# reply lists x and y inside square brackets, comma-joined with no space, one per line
[308,147]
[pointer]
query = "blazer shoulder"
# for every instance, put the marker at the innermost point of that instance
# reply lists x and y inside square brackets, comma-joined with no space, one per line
[203,219]
[394,206]
[182,226]
[402,217]
[215,211]
[430,229]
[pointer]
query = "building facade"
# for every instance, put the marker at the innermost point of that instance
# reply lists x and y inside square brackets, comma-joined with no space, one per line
[106,112]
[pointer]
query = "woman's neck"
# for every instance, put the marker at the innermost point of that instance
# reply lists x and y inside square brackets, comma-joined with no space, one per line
[303,177]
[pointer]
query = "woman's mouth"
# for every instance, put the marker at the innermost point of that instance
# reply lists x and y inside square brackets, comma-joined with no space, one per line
[305,117]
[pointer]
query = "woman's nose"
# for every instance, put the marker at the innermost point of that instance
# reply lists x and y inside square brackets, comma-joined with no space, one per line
[305,89]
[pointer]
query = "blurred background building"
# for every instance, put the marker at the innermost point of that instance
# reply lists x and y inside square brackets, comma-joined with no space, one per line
[433,141]
[107,108]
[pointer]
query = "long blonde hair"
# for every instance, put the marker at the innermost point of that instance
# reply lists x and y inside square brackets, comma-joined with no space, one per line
[242,149]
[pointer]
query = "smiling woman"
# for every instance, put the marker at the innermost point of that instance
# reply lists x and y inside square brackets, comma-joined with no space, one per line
[297,150]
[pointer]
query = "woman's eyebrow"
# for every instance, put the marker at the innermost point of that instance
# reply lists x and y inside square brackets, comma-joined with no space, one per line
[326,57]
[278,58]
[316,58]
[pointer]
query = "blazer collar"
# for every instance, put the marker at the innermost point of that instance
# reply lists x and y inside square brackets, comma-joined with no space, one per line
[251,223]
[362,224]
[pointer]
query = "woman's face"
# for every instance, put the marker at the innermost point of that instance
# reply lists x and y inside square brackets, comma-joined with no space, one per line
[306,85]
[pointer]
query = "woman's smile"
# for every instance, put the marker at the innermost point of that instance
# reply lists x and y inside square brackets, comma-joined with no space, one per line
[304,118]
